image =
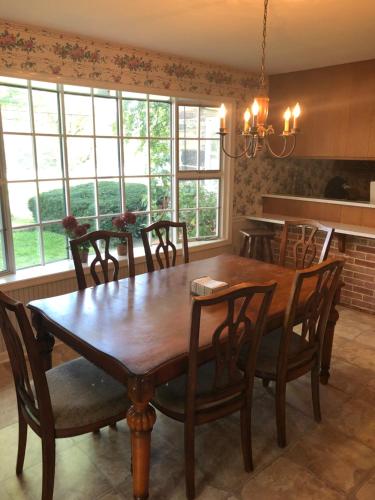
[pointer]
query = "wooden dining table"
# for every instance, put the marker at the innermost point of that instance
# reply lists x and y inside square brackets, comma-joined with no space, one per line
[137,330]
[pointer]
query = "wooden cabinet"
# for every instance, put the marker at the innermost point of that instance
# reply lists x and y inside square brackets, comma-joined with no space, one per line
[338,109]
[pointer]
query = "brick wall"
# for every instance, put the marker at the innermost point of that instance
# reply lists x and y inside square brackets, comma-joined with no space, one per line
[359,269]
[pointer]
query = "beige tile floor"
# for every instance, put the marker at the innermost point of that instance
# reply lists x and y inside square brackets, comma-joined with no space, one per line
[331,460]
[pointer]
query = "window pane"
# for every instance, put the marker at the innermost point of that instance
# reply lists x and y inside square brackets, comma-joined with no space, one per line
[208,222]
[135,156]
[156,217]
[107,157]
[27,247]
[82,198]
[188,121]
[136,194]
[105,92]
[15,110]
[209,193]
[52,200]
[81,157]
[161,192]
[105,116]
[135,118]
[160,119]
[160,156]
[23,203]
[188,155]
[209,122]
[55,243]
[78,115]
[143,220]
[19,157]
[2,252]
[187,194]
[190,217]
[48,157]
[77,89]
[109,197]
[209,155]
[43,85]
[46,116]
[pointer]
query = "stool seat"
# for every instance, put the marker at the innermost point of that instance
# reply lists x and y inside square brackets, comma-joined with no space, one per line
[257,244]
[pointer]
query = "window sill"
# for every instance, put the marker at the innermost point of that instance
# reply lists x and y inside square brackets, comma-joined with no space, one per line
[63,270]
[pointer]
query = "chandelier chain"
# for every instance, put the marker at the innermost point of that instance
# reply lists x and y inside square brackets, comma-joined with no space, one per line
[262,79]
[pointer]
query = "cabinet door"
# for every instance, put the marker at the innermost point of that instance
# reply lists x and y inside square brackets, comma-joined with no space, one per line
[338,110]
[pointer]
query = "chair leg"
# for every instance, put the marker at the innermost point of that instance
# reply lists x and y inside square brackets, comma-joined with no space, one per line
[315,390]
[265,382]
[280,414]
[246,442]
[22,439]
[49,457]
[190,460]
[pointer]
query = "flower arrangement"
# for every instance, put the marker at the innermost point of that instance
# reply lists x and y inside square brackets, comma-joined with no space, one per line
[123,221]
[121,224]
[75,230]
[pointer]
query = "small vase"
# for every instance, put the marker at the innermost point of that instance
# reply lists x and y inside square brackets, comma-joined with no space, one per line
[84,254]
[122,249]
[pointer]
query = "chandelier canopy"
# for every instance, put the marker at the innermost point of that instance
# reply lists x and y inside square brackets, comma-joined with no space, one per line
[256,132]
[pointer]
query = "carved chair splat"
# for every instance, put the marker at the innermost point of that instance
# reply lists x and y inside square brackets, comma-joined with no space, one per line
[103,259]
[305,247]
[165,245]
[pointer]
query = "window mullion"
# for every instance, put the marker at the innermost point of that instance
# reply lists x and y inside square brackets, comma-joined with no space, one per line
[64,143]
[96,193]
[121,150]
[41,238]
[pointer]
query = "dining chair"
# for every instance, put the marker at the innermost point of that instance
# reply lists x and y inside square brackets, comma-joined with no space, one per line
[103,260]
[212,390]
[73,398]
[256,244]
[162,231]
[285,354]
[304,247]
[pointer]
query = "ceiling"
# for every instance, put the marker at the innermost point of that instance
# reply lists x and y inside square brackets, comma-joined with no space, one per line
[302,33]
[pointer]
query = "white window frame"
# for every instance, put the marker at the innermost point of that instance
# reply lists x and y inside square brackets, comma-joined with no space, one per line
[225,174]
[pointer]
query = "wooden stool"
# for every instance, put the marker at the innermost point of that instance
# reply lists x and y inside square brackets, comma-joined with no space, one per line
[257,244]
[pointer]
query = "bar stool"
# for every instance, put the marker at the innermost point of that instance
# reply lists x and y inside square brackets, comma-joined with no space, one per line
[257,244]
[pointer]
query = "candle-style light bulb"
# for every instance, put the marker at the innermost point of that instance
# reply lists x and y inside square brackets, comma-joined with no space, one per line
[255,111]
[222,113]
[247,116]
[287,116]
[296,114]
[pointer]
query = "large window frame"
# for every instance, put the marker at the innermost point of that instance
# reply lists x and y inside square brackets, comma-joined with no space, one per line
[175,173]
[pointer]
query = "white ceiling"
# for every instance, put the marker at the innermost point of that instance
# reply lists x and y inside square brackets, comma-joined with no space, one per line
[302,33]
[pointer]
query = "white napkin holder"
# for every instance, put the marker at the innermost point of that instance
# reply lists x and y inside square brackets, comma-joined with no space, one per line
[207,286]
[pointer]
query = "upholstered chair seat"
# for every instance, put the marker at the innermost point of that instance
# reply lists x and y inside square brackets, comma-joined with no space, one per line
[170,398]
[82,394]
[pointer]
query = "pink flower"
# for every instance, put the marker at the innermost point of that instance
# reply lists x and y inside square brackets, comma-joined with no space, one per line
[69,222]
[122,221]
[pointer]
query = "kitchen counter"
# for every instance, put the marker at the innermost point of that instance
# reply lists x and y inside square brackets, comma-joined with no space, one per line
[351,203]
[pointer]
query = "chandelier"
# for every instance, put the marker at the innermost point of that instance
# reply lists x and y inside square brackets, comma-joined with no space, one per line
[256,132]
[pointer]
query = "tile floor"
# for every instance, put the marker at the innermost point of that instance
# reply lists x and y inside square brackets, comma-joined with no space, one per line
[332,460]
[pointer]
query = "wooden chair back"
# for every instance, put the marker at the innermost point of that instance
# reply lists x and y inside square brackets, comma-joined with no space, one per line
[305,248]
[17,331]
[228,338]
[310,311]
[165,246]
[103,259]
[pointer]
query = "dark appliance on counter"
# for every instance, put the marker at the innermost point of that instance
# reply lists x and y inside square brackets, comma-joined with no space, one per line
[338,189]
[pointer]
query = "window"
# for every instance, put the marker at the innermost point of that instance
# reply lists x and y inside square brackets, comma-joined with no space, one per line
[199,171]
[94,153]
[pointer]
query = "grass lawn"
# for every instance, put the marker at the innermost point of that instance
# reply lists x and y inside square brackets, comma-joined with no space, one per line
[27,249]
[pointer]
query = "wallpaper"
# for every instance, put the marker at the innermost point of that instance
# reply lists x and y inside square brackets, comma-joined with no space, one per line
[61,56]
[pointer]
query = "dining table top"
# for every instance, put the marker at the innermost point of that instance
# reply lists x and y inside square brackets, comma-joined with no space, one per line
[136,325]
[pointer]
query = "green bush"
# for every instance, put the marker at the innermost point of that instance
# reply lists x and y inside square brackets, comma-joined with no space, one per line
[52,203]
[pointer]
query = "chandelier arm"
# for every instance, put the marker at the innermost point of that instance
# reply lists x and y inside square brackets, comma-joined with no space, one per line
[282,154]
[237,156]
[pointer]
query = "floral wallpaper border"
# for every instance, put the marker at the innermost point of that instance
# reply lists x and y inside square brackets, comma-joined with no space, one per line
[47,53]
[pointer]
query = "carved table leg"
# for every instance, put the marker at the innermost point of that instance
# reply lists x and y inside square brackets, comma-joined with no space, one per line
[141,418]
[44,338]
[328,337]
